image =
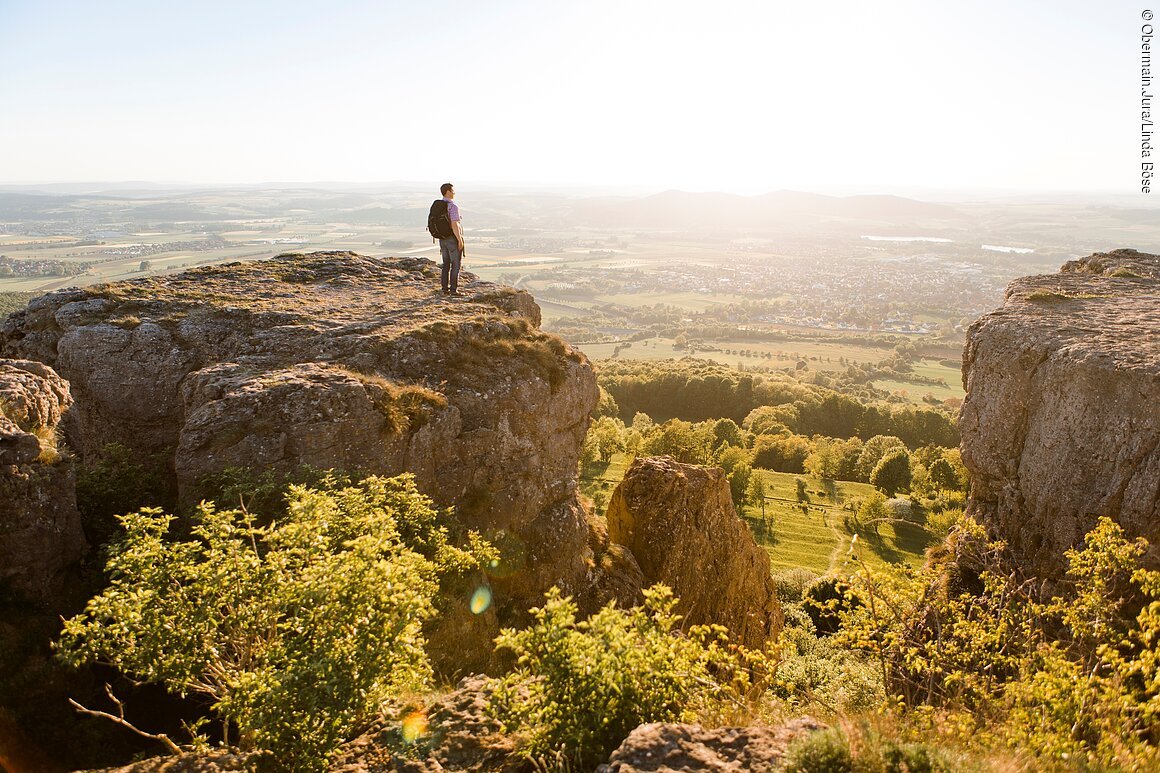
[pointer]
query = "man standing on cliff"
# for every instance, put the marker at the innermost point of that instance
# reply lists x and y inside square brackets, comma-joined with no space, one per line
[448,229]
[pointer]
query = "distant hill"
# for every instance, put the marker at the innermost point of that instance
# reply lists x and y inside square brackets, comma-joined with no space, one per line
[683,210]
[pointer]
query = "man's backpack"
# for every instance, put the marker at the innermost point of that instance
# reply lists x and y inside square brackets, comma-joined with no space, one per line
[438,223]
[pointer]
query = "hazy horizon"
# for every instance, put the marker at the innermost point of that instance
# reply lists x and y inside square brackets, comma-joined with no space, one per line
[468,188]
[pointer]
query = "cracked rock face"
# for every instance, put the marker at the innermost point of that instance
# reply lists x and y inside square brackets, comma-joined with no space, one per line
[1061,422]
[679,524]
[336,360]
[40,528]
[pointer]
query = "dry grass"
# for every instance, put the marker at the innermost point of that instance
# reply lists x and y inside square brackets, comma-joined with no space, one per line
[485,342]
[1052,296]
[50,452]
[126,321]
[406,406]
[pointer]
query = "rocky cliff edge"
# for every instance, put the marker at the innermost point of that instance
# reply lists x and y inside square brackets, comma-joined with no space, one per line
[1061,421]
[335,360]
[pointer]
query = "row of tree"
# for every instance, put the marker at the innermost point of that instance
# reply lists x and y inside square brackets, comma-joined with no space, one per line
[884,461]
[699,391]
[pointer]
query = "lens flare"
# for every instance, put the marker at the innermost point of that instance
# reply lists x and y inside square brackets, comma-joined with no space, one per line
[414,726]
[481,599]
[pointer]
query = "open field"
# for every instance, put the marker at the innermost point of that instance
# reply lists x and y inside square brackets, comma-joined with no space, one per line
[817,539]
[817,355]
[914,392]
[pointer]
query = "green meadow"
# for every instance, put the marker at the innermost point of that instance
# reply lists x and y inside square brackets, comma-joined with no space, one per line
[818,536]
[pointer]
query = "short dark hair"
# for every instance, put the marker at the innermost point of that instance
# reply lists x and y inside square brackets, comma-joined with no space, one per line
[445,187]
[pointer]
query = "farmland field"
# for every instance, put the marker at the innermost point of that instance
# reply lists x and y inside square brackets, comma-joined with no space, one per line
[914,391]
[817,354]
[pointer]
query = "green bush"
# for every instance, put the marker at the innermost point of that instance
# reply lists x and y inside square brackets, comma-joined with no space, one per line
[119,480]
[832,751]
[913,758]
[579,688]
[791,584]
[1072,677]
[940,523]
[826,599]
[260,492]
[826,751]
[817,675]
[294,632]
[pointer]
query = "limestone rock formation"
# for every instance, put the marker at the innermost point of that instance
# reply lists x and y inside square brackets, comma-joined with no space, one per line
[40,528]
[679,523]
[1061,421]
[662,747]
[457,734]
[336,360]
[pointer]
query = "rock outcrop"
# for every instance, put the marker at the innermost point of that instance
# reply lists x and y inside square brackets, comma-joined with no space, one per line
[40,528]
[663,747]
[1061,421]
[454,733]
[679,523]
[336,360]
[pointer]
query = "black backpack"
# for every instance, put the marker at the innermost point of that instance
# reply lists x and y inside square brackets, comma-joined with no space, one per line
[438,223]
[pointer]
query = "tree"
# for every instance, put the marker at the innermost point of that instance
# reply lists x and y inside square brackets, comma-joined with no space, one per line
[726,431]
[942,475]
[606,405]
[954,458]
[823,460]
[873,452]
[783,453]
[892,474]
[803,496]
[293,632]
[755,493]
[728,457]
[739,478]
[607,435]
[770,419]
[145,265]
[684,441]
[873,510]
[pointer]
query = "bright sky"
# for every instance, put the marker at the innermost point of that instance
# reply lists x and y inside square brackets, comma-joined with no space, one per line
[742,95]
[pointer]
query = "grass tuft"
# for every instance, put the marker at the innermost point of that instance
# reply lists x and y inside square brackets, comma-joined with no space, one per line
[406,406]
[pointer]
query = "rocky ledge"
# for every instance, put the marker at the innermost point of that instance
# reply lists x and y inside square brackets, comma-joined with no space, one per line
[1061,422]
[335,360]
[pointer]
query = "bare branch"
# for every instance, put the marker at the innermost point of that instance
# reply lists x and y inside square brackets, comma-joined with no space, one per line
[120,720]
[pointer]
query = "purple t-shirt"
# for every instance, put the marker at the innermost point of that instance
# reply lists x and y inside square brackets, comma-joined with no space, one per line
[452,210]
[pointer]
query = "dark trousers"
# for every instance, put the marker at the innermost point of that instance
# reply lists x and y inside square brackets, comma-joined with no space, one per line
[449,279]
